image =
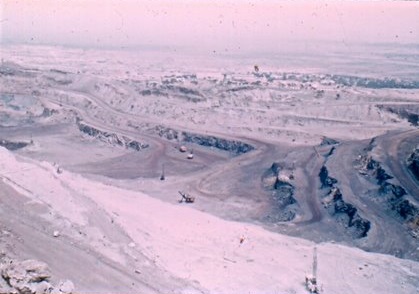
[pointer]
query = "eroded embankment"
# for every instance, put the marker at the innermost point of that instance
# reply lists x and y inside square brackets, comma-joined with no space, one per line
[111,138]
[236,147]
[12,145]
[345,213]
[390,193]
[409,112]
[413,163]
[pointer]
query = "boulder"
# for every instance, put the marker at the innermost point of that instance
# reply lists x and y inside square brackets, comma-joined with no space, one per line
[29,277]
[66,287]
[36,271]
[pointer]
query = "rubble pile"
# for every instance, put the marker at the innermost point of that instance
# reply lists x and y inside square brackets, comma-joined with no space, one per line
[278,180]
[29,277]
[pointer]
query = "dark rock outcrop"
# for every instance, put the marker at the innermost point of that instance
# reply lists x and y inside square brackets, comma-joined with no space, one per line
[406,209]
[381,175]
[12,146]
[346,213]
[359,225]
[48,112]
[407,112]
[328,141]
[395,191]
[276,167]
[283,202]
[392,195]
[413,163]
[325,180]
[371,145]
[284,205]
[234,146]
[284,193]
[111,138]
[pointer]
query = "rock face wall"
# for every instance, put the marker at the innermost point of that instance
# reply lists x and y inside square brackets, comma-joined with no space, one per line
[12,146]
[29,277]
[393,196]
[344,212]
[234,146]
[407,112]
[111,138]
[326,181]
[413,163]
[283,201]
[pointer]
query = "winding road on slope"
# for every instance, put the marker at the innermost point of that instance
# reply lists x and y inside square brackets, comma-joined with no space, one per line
[240,176]
[223,173]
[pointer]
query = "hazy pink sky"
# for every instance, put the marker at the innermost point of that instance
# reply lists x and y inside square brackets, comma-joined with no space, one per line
[207,25]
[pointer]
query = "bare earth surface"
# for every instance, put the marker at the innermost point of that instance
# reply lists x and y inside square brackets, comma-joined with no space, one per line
[283,160]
